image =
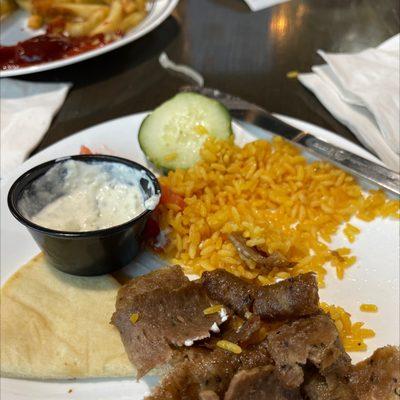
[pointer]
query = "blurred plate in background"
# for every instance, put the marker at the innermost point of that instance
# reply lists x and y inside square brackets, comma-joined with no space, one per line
[14,29]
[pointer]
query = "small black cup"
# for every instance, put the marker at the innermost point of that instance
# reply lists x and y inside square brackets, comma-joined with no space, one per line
[85,253]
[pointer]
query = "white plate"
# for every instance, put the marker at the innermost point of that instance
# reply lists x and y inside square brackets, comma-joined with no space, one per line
[14,29]
[374,279]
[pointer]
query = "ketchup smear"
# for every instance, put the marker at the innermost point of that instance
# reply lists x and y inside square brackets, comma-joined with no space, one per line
[45,48]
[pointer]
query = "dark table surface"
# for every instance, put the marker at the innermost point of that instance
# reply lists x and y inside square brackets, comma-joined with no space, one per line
[242,52]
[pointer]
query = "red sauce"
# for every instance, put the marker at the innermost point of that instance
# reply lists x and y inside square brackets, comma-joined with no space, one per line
[45,48]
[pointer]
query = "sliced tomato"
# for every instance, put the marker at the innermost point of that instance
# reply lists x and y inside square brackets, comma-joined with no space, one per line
[170,197]
[85,150]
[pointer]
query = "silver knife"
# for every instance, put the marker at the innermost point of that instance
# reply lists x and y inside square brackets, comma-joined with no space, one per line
[245,111]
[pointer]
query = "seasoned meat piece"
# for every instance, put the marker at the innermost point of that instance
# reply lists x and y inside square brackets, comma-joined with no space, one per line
[259,384]
[293,297]
[255,356]
[238,331]
[165,319]
[228,331]
[247,334]
[208,395]
[277,260]
[314,339]
[168,278]
[378,377]
[318,387]
[229,290]
[205,370]
[254,258]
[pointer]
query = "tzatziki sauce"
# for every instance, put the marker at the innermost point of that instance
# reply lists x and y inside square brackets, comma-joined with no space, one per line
[77,196]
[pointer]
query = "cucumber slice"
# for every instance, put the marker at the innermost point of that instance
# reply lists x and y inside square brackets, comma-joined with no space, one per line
[173,134]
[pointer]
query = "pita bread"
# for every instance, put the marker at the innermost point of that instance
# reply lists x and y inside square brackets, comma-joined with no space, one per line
[56,326]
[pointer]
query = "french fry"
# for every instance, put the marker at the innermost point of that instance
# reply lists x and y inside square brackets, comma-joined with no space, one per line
[131,21]
[129,6]
[86,17]
[141,4]
[113,20]
[84,28]
[81,10]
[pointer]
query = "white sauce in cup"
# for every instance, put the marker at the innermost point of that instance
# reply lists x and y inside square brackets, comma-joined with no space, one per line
[76,196]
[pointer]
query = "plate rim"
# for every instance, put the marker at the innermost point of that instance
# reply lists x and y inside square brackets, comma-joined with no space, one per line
[138,32]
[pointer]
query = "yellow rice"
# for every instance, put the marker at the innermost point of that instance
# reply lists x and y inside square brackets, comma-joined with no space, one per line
[279,202]
[351,334]
[229,346]
[368,308]
[213,309]
[134,318]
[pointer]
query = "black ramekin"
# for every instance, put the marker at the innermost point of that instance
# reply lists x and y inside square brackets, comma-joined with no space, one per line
[85,253]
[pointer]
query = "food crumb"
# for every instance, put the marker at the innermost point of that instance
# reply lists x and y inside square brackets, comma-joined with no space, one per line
[292,74]
[70,391]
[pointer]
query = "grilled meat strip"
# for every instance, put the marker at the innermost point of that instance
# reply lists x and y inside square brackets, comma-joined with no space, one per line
[291,298]
[314,339]
[254,258]
[168,316]
[259,384]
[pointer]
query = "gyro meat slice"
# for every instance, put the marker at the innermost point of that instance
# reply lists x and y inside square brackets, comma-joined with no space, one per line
[248,333]
[227,289]
[318,387]
[208,395]
[171,277]
[203,372]
[378,377]
[207,373]
[259,384]
[292,298]
[253,258]
[152,324]
[248,254]
[314,339]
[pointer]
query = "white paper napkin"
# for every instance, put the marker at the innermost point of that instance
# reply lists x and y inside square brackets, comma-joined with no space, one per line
[26,111]
[362,91]
[256,5]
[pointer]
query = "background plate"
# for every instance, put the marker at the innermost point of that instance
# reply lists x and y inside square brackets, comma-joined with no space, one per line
[13,29]
[374,278]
